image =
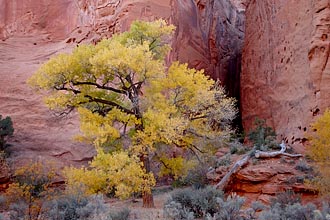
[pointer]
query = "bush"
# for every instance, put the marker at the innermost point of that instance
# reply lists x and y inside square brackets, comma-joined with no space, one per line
[224,161]
[75,206]
[262,137]
[66,207]
[237,147]
[229,209]
[197,176]
[287,206]
[2,201]
[25,198]
[119,215]
[294,211]
[303,166]
[174,211]
[198,201]
[286,198]
[6,129]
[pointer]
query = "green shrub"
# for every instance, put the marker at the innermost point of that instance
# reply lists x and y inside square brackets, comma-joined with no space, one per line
[262,136]
[197,176]
[119,215]
[224,161]
[198,201]
[174,211]
[6,130]
[286,198]
[229,209]
[75,206]
[303,166]
[294,211]
[237,147]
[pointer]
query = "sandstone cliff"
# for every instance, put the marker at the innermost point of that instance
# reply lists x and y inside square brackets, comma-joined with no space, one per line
[285,70]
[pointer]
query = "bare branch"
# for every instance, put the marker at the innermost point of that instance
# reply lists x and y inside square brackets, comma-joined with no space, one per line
[233,170]
[100,86]
[262,154]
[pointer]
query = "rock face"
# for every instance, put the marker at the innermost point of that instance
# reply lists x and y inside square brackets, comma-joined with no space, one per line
[21,17]
[285,68]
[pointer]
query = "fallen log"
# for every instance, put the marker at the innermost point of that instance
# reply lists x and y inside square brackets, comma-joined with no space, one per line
[244,161]
[264,154]
[235,168]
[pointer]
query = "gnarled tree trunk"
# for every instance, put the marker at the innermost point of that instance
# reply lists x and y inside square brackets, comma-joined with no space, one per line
[147,197]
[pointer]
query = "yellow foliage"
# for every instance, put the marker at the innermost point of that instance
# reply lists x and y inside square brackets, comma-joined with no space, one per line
[177,167]
[319,151]
[32,187]
[117,172]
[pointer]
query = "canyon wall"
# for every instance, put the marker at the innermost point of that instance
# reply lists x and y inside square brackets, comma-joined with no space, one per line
[285,68]
[28,17]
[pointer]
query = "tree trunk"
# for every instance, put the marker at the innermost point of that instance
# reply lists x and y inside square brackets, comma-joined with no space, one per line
[148,200]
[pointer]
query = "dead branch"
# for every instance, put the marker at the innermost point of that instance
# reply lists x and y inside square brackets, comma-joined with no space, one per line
[263,154]
[244,160]
[235,168]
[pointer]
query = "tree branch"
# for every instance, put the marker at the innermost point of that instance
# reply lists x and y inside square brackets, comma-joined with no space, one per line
[111,103]
[97,100]
[262,154]
[233,170]
[100,86]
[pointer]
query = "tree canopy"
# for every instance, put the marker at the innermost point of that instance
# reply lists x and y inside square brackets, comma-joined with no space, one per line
[319,141]
[129,99]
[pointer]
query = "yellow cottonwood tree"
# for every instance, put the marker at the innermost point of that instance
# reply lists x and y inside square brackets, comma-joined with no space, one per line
[128,99]
[320,151]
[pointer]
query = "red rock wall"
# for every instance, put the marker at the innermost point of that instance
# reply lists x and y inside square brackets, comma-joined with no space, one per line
[285,71]
[22,17]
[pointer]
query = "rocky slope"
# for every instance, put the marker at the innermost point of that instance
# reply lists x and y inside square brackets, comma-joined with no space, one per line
[286,68]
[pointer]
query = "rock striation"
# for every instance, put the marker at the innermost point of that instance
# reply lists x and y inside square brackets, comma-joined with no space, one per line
[285,68]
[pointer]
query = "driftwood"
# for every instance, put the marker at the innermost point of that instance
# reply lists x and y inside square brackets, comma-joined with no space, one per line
[237,166]
[263,154]
[244,161]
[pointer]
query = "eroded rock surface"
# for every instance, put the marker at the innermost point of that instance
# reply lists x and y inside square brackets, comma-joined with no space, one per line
[286,71]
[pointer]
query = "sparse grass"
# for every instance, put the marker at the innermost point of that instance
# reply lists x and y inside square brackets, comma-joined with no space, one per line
[224,161]
[303,166]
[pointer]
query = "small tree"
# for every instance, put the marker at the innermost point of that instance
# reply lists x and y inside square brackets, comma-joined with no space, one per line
[6,130]
[129,99]
[319,141]
[29,191]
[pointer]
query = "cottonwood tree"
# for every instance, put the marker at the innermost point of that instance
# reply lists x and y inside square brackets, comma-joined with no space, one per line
[319,141]
[129,99]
